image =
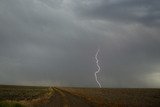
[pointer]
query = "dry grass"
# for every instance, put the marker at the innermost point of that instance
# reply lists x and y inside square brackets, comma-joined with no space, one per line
[20,96]
[24,95]
[118,97]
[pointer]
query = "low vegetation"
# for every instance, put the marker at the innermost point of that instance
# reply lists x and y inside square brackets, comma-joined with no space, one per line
[11,104]
[27,96]
[21,96]
[118,97]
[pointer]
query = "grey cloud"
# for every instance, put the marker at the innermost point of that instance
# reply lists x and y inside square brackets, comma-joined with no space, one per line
[141,11]
[43,40]
[48,42]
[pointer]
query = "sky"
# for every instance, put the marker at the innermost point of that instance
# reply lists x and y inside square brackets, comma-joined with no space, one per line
[53,42]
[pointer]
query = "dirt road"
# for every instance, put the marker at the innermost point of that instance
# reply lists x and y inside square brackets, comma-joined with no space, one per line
[61,98]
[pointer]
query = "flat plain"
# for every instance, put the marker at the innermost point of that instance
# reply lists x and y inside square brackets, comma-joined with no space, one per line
[33,96]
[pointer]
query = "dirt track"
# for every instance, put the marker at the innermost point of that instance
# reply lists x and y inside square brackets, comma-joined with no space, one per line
[61,98]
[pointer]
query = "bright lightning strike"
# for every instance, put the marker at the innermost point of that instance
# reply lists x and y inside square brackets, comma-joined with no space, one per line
[98,70]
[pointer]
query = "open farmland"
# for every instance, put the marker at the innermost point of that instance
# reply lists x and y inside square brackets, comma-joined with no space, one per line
[28,96]
[118,97]
[21,92]
[25,95]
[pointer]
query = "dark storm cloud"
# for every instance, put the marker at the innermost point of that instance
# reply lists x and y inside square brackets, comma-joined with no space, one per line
[43,40]
[141,11]
[46,42]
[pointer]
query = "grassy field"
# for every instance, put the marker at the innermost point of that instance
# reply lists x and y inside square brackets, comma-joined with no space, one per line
[19,96]
[118,97]
[27,96]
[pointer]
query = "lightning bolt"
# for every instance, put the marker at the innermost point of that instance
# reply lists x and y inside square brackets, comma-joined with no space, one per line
[98,70]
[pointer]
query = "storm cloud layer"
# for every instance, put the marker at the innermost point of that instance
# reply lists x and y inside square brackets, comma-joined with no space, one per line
[53,42]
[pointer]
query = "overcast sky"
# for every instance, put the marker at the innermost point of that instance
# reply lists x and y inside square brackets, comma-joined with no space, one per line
[53,42]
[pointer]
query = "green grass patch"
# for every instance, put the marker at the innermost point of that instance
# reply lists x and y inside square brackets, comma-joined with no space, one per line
[10,104]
